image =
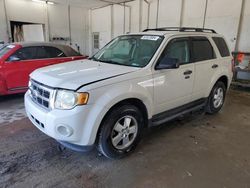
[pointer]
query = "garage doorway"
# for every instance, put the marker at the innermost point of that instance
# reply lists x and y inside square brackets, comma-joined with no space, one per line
[25,31]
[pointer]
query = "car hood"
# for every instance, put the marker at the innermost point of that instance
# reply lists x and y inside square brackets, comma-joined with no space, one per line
[75,74]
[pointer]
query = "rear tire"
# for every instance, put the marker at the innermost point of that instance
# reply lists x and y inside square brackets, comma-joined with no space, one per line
[120,131]
[216,98]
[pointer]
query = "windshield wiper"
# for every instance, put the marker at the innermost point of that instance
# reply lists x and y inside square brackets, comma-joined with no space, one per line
[109,61]
[93,58]
[103,61]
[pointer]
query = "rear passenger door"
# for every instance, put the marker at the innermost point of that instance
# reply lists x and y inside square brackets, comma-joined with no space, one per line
[204,59]
[173,87]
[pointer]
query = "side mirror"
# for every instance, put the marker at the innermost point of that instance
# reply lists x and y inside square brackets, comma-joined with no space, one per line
[13,58]
[168,63]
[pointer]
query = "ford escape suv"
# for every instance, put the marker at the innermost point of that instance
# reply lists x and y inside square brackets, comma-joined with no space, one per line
[135,81]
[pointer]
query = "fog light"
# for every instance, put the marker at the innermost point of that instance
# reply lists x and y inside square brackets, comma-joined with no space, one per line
[64,130]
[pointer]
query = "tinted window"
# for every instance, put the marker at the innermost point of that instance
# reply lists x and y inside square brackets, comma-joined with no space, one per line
[177,49]
[41,52]
[69,52]
[25,53]
[54,52]
[202,49]
[222,46]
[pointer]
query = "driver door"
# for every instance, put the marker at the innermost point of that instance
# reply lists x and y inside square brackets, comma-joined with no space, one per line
[173,87]
[18,66]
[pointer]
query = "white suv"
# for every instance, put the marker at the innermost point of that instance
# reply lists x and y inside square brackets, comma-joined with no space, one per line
[135,81]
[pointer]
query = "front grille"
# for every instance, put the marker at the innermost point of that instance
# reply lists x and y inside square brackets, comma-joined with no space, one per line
[40,94]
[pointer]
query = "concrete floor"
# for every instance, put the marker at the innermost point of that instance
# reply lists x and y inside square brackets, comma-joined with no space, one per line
[199,151]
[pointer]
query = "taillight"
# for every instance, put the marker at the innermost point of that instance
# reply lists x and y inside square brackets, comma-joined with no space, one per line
[240,57]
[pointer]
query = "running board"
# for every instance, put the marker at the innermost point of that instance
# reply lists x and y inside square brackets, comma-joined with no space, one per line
[169,115]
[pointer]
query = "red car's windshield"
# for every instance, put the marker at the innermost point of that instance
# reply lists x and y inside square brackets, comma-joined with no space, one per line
[6,49]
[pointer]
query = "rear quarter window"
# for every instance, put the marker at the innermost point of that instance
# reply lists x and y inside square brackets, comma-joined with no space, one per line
[71,52]
[54,52]
[222,46]
[202,49]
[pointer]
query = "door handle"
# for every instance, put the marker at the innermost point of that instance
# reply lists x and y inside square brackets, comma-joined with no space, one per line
[214,66]
[187,72]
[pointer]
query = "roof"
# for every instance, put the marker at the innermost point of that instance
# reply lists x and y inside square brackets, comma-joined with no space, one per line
[68,51]
[178,30]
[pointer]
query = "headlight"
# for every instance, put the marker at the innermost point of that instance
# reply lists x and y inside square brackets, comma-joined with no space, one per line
[29,84]
[68,99]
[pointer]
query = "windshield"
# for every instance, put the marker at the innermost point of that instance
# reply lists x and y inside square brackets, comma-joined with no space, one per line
[5,49]
[131,50]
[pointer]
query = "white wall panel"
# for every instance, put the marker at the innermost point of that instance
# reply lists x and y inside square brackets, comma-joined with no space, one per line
[79,32]
[33,33]
[144,15]
[59,21]
[3,27]
[127,19]
[153,14]
[26,11]
[134,15]
[193,13]
[169,13]
[118,20]
[101,22]
[223,16]
[244,39]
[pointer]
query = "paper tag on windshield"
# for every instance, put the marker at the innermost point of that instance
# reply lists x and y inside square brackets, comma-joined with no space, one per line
[148,37]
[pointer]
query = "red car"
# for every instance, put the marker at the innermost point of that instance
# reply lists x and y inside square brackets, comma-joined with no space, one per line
[18,60]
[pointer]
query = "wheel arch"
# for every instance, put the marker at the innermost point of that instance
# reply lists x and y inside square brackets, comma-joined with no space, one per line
[223,79]
[132,101]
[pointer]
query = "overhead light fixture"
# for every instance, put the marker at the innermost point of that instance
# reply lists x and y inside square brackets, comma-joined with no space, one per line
[41,1]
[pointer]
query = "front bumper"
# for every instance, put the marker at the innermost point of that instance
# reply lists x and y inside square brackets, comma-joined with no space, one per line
[68,126]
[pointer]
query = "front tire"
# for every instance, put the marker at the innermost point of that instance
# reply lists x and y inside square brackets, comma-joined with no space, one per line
[120,131]
[216,98]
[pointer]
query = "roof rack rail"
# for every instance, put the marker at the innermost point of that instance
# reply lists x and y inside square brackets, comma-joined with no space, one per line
[182,29]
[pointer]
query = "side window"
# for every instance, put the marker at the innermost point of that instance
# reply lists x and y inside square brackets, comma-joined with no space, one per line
[222,46]
[41,52]
[202,49]
[25,53]
[54,52]
[177,49]
[71,52]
